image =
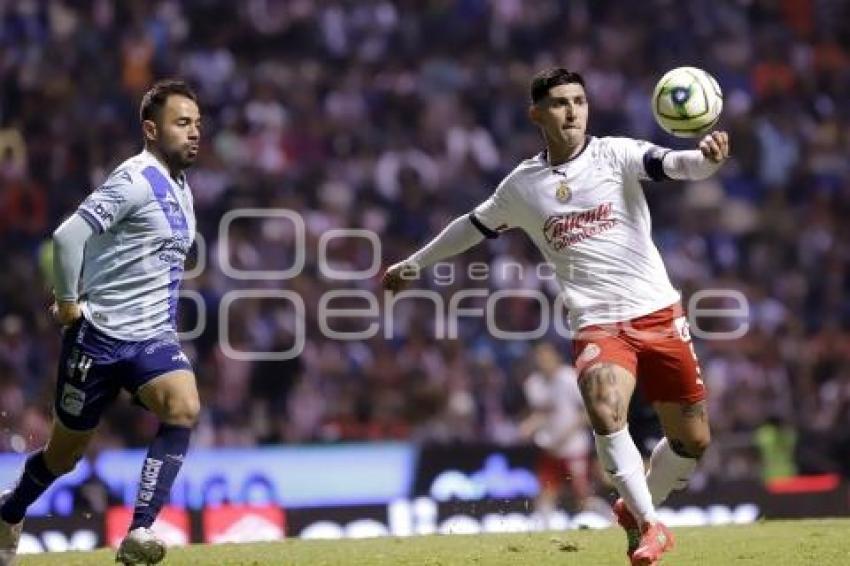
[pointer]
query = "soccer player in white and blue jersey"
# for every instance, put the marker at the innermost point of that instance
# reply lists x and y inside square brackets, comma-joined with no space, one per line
[119,261]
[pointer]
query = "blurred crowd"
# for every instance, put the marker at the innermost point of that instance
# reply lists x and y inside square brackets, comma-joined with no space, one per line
[394,117]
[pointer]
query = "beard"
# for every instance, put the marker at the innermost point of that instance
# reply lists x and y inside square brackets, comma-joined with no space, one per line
[181,158]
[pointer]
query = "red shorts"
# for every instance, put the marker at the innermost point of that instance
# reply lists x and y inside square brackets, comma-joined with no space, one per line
[655,348]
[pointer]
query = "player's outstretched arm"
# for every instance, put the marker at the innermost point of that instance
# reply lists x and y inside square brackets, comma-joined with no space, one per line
[69,242]
[701,163]
[457,237]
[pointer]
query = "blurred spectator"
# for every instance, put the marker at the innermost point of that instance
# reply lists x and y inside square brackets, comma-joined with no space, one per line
[558,425]
[776,442]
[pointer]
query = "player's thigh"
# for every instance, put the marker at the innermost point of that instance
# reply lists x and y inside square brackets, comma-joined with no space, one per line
[607,389]
[65,447]
[159,376]
[606,365]
[686,426]
[172,396]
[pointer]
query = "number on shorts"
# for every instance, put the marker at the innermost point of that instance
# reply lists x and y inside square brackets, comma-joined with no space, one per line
[79,363]
[685,334]
[683,328]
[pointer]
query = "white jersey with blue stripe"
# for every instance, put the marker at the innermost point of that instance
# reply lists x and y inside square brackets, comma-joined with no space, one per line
[144,223]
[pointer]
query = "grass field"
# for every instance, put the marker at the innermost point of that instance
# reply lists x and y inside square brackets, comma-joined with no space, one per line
[773,543]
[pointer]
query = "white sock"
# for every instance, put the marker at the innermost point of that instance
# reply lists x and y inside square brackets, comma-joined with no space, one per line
[622,460]
[667,471]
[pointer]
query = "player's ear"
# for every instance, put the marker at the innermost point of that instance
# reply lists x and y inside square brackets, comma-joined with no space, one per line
[534,114]
[149,130]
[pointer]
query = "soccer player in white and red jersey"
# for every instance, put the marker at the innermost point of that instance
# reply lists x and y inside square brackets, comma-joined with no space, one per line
[580,200]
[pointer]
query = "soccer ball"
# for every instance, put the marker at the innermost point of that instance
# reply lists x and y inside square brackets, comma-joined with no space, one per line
[687,102]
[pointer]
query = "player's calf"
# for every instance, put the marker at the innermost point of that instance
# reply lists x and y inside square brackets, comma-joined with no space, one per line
[686,426]
[64,449]
[692,448]
[160,468]
[173,397]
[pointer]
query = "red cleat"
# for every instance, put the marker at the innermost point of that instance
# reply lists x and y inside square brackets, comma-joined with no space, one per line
[626,520]
[655,540]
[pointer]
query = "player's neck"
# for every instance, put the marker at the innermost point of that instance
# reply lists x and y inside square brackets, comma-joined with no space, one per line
[558,154]
[175,173]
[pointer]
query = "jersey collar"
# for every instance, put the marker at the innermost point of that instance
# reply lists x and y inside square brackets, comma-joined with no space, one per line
[544,155]
[180,181]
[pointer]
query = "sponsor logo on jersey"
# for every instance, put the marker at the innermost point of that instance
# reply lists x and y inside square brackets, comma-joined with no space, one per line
[173,250]
[564,230]
[105,215]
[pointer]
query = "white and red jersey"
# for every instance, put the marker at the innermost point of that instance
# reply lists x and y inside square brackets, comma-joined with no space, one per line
[589,218]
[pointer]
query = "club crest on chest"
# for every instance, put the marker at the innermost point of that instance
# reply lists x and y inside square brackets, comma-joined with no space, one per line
[563,192]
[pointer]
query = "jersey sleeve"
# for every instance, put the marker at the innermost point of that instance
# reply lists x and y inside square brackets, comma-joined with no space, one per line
[497,213]
[639,159]
[117,197]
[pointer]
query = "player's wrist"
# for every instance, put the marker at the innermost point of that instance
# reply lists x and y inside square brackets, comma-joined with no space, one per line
[412,263]
[69,311]
[713,159]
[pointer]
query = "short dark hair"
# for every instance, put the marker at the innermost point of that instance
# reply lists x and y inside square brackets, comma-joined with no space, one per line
[154,99]
[552,77]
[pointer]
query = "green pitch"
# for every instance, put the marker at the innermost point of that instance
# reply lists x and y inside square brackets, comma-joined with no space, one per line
[773,543]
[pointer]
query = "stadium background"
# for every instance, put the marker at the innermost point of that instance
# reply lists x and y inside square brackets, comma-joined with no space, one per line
[395,117]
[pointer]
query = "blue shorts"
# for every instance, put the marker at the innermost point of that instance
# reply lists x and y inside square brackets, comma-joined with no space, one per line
[94,367]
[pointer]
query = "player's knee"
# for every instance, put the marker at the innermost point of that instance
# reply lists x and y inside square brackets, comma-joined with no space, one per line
[604,420]
[182,411]
[698,446]
[693,447]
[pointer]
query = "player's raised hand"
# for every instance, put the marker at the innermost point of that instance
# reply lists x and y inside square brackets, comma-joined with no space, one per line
[715,146]
[394,278]
[65,313]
